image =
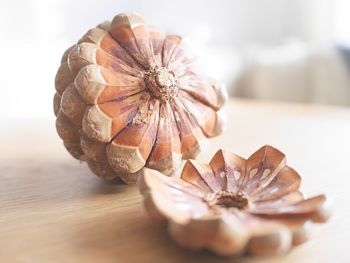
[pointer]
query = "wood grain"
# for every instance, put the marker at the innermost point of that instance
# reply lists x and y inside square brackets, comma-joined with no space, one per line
[52,209]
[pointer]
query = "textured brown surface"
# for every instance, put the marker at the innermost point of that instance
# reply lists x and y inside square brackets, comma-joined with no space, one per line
[234,206]
[135,93]
[52,210]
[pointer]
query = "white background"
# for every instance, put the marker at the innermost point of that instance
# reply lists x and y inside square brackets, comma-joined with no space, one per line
[34,34]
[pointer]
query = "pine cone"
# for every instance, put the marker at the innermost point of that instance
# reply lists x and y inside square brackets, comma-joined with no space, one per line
[128,96]
[233,205]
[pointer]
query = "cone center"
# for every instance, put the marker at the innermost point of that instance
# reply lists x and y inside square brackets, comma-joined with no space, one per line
[227,199]
[162,83]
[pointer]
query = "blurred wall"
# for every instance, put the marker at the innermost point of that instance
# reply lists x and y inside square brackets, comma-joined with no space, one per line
[233,22]
[34,34]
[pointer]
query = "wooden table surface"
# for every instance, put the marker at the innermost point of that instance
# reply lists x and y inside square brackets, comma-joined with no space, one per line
[52,209]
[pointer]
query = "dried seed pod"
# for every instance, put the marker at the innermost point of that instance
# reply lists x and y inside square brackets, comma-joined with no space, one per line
[127,96]
[233,205]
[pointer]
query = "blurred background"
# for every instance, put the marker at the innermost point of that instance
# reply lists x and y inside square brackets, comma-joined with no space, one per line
[263,49]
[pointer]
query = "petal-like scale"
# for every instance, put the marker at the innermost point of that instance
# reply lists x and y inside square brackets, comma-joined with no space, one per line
[96,124]
[208,119]
[308,205]
[269,239]
[205,172]
[102,169]
[300,229]
[98,85]
[186,71]
[123,62]
[286,181]
[228,168]
[86,53]
[173,182]
[119,86]
[67,130]
[166,153]
[221,92]
[90,83]
[265,237]
[224,236]
[130,178]
[169,200]
[181,199]
[182,58]
[81,55]
[157,39]
[104,25]
[190,134]
[75,150]
[287,199]
[94,150]
[56,103]
[206,90]
[72,105]
[66,54]
[63,78]
[261,168]
[314,208]
[131,33]
[122,112]
[130,149]
[231,238]
[199,175]
[94,35]
[170,44]
[103,121]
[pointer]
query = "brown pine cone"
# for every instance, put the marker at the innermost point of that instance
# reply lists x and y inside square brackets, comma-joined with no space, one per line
[233,205]
[128,96]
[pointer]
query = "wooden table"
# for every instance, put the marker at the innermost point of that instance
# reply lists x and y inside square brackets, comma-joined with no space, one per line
[52,209]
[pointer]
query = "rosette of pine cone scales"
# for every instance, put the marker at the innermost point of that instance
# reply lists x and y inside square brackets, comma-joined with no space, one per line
[129,96]
[233,206]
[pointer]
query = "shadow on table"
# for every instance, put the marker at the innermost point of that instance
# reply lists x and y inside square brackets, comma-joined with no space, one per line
[130,236]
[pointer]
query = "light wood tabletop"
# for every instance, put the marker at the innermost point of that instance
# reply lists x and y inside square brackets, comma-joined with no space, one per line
[52,209]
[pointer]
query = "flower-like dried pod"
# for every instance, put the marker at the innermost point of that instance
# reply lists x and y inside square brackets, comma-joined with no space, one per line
[128,96]
[233,205]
